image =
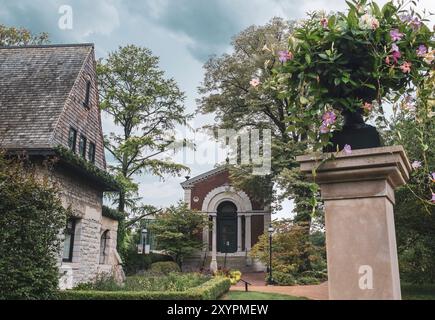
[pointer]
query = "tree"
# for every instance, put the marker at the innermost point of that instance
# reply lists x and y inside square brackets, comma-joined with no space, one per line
[31,216]
[178,231]
[147,107]
[11,36]
[294,253]
[226,92]
[414,129]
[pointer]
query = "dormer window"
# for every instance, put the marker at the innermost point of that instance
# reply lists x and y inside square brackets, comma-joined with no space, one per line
[91,152]
[72,138]
[82,146]
[88,93]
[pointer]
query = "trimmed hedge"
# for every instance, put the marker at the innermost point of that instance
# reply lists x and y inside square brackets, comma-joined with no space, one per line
[210,290]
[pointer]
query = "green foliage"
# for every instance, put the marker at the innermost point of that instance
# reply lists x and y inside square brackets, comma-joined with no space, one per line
[147,107]
[31,216]
[134,262]
[348,61]
[295,258]
[177,231]
[414,129]
[10,36]
[112,213]
[89,168]
[164,267]
[209,290]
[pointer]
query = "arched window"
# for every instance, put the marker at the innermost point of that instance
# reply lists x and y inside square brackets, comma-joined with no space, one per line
[103,247]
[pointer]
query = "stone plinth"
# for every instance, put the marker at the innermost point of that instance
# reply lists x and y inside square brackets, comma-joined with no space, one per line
[358,193]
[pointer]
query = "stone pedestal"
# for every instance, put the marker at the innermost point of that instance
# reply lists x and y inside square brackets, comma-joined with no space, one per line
[358,193]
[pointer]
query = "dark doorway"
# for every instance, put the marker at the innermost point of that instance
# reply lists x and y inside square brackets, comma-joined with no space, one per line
[227,227]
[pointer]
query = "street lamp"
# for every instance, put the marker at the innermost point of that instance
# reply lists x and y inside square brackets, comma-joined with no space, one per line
[270,230]
[142,247]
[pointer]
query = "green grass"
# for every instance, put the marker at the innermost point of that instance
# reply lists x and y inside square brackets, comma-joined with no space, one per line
[252,295]
[418,292]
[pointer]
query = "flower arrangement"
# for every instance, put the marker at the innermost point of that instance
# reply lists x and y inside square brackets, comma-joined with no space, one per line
[351,63]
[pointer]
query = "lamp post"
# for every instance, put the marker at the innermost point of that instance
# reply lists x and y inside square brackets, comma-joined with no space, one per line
[270,279]
[144,233]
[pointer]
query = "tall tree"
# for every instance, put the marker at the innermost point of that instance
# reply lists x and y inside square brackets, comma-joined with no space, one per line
[226,91]
[147,107]
[177,231]
[11,36]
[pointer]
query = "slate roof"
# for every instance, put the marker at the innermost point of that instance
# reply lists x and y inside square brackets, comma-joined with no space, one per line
[35,82]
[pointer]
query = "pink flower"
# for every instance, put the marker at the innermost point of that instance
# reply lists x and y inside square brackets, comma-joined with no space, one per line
[284,56]
[416,164]
[415,24]
[367,106]
[422,50]
[347,149]
[324,128]
[396,56]
[396,35]
[324,22]
[433,197]
[387,60]
[375,24]
[406,67]
[254,82]
[329,117]
[432,177]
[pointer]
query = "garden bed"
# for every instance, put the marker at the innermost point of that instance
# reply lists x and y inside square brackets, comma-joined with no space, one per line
[170,287]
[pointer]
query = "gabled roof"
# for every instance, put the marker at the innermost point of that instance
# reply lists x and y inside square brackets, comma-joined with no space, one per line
[35,82]
[204,176]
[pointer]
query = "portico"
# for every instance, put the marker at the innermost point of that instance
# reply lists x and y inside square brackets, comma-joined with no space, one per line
[236,222]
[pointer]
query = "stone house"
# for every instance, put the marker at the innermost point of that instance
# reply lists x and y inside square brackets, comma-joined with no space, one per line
[237,221]
[48,103]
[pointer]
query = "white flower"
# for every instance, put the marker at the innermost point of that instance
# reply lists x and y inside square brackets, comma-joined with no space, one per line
[368,22]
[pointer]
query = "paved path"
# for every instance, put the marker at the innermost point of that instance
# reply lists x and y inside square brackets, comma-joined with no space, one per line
[315,292]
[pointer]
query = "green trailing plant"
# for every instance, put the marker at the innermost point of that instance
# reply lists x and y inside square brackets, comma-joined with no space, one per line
[112,213]
[89,168]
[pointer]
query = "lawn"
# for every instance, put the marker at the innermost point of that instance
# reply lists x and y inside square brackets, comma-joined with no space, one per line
[252,295]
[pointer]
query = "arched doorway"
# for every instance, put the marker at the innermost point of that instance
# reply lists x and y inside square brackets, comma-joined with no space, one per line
[227,227]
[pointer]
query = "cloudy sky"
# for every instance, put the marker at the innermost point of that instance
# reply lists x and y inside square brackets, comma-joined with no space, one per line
[183,33]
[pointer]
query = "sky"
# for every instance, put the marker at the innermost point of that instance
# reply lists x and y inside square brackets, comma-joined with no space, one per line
[183,33]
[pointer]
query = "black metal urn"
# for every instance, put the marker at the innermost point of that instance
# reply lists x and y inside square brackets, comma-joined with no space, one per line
[355,132]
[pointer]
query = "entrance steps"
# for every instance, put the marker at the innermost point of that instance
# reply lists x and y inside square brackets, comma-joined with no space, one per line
[241,263]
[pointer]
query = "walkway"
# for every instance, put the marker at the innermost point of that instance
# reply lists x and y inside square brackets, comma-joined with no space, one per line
[315,292]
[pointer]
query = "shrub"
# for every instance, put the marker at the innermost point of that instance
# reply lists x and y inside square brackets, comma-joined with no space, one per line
[170,282]
[134,262]
[283,279]
[209,290]
[164,267]
[103,282]
[233,275]
[31,216]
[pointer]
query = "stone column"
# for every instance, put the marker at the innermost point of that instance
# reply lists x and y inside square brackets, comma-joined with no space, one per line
[239,233]
[248,232]
[213,264]
[358,193]
[248,238]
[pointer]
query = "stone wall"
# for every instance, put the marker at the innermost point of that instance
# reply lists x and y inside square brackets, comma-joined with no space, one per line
[86,200]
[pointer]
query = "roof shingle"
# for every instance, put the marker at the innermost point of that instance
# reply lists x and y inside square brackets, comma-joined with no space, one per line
[35,82]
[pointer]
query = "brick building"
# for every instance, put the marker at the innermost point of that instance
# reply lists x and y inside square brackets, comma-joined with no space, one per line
[49,99]
[237,220]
